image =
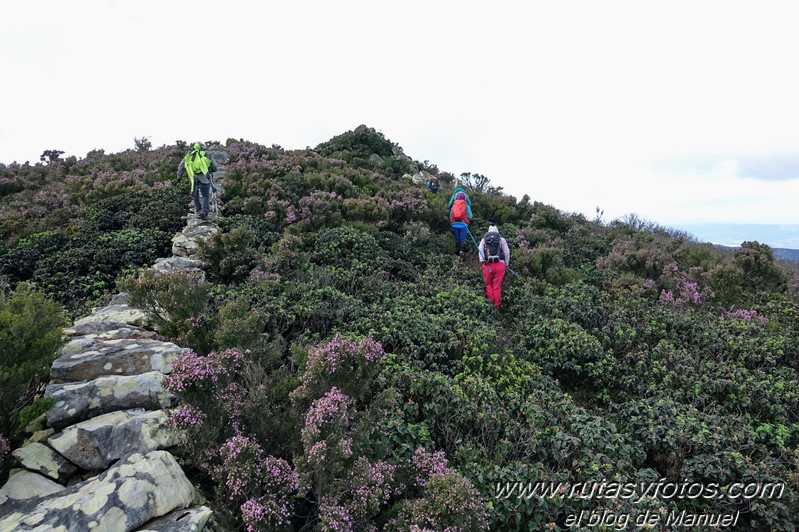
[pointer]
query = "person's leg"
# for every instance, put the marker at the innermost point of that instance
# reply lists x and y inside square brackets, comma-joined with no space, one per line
[488,277]
[460,236]
[464,245]
[205,190]
[455,234]
[195,195]
[499,276]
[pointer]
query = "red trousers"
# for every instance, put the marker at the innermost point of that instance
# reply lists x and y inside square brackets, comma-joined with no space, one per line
[493,280]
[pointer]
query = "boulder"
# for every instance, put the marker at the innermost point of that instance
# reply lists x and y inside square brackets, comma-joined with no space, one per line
[117,311]
[184,244]
[85,358]
[136,490]
[83,400]
[96,443]
[109,330]
[189,520]
[24,485]
[179,264]
[42,459]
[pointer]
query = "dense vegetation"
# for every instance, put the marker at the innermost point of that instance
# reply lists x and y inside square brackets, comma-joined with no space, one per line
[347,372]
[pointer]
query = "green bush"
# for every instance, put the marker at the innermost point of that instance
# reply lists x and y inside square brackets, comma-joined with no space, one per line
[178,304]
[31,329]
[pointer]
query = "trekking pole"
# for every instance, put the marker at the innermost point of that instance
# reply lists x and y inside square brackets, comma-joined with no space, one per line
[475,245]
[482,259]
[481,256]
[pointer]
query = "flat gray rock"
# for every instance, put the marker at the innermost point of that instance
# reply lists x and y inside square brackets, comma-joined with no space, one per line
[189,520]
[25,485]
[88,357]
[42,459]
[108,330]
[98,442]
[136,490]
[84,400]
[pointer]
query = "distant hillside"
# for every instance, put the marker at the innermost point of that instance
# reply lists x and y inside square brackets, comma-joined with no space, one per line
[779,253]
[787,254]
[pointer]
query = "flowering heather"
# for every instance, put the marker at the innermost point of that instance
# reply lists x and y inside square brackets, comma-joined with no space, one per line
[409,201]
[232,399]
[746,315]
[372,487]
[291,215]
[185,417]
[687,293]
[331,411]
[263,513]
[5,448]
[450,503]
[189,369]
[273,509]
[334,517]
[427,464]
[320,207]
[246,471]
[342,361]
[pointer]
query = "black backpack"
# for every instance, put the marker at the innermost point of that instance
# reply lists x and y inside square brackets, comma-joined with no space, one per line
[493,247]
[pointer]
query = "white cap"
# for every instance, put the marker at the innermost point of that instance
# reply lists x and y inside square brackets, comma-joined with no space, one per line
[493,229]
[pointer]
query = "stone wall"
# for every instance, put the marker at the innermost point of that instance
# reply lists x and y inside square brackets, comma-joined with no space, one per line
[100,459]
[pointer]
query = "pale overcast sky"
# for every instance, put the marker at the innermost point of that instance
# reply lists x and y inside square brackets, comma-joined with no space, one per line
[683,112]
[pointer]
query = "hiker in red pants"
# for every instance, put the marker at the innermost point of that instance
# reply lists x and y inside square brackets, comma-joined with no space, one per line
[495,256]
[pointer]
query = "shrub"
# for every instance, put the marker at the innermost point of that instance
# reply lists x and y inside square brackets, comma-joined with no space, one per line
[177,302]
[31,329]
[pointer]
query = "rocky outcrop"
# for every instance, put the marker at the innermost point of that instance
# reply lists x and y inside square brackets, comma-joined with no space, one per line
[24,485]
[99,459]
[132,492]
[88,358]
[83,400]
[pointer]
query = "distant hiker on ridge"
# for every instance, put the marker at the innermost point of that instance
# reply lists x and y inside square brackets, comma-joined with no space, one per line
[198,164]
[495,256]
[433,184]
[460,215]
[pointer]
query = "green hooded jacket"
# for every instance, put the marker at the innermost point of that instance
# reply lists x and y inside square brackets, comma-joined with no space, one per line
[455,193]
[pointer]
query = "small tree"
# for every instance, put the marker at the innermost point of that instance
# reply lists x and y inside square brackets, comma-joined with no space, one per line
[142,144]
[48,156]
[478,182]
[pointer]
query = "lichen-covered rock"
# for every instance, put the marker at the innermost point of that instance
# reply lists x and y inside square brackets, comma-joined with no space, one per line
[96,443]
[184,244]
[42,459]
[189,520]
[136,490]
[24,485]
[85,358]
[178,264]
[83,400]
[109,330]
[117,311]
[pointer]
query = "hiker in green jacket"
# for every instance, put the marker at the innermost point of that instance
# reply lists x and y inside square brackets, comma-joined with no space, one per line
[200,167]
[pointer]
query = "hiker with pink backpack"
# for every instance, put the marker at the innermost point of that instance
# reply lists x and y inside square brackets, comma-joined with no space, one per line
[460,215]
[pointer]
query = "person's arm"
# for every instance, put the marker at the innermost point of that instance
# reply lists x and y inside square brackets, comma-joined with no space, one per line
[469,211]
[506,251]
[481,250]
